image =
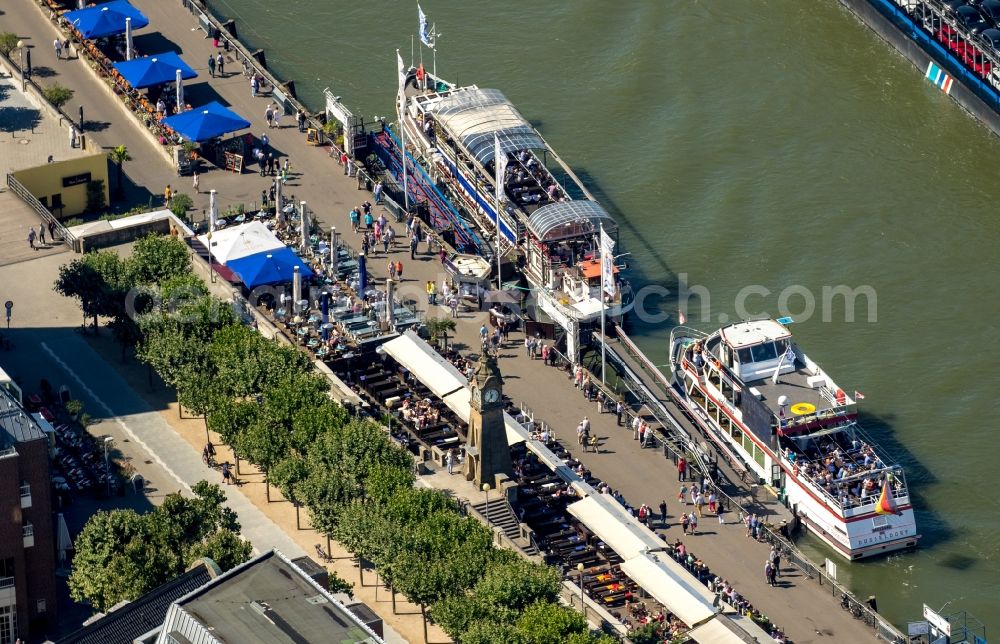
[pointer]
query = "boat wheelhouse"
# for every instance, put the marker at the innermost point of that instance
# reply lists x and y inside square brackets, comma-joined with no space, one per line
[545,214]
[774,411]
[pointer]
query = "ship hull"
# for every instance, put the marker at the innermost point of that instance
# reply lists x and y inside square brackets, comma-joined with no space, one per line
[891,23]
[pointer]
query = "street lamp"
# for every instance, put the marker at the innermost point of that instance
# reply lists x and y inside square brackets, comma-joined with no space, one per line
[579,569]
[107,465]
[20,51]
[486,489]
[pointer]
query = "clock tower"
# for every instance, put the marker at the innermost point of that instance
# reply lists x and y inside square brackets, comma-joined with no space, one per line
[487,451]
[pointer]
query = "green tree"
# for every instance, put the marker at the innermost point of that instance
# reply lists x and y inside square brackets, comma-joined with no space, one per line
[230,418]
[96,201]
[97,280]
[550,623]
[122,555]
[8,42]
[180,203]
[119,155]
[439,328]
[156,259]
[288,474]
[309,424]
[264,444]
[492,632]
[247,363]
[57,95]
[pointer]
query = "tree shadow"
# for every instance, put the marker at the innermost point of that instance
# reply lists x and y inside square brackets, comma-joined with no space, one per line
[16,119]
[43,72]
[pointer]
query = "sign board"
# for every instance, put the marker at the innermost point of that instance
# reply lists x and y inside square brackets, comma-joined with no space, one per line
[76,179]
[831,569]
[234,162]
[918,628]
[785,320]
[937,621]
[312,136]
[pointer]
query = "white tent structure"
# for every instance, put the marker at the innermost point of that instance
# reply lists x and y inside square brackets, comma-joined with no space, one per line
[241,241]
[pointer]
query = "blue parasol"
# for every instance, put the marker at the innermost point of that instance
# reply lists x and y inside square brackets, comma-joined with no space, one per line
[206,122]
[154,70]
[106,19]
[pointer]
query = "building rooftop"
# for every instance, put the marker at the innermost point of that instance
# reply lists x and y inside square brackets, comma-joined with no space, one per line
[268,600]
[144,614]
[16,425]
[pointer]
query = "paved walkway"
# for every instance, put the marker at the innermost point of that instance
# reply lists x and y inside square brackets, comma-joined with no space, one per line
[800,606]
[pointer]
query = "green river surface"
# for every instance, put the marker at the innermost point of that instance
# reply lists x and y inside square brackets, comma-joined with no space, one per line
[769,143]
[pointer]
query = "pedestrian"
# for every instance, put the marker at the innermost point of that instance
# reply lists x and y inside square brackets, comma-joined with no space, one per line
[369,220]
[713,502]
[385,240]
[699,503]
[769,573]
[168,195]
[72,136]
[718,513]
[41,235]
[220,64]
[636,422]
[269,115]
[453,305]
[619,412]
[300,118]
[430,293]
[450,461]
[254,86]
[682,495]
[225,473]
[31,238]
[264,141]
[663,512]
[600,401]
[776,561]
[681,469]
[278,111]
[52,230]
[216,35]
[355,219]
[643,514]
[685,520]
[211,66]
[196,183]
[263,198]
[413,247]
[57,45]
[693,523]
[343,161]
[399,270]
[378,191]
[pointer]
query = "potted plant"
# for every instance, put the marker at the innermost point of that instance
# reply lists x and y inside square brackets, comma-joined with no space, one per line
[73,408]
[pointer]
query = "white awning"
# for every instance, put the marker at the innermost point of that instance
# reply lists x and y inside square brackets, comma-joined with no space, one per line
[240,241]
[673,586]
[426,364]
[614,526]
[716,631]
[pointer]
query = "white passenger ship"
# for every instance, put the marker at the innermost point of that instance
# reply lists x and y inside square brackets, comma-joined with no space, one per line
[766,403]
[548,221]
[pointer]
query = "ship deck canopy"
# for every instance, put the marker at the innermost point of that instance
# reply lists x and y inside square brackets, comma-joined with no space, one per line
[566,219]
[473,115]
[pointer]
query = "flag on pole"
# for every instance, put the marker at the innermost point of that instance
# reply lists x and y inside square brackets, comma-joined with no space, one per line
[886,504]
[426,34]
[607,263]
[858,395]
[681,318]
[401,67]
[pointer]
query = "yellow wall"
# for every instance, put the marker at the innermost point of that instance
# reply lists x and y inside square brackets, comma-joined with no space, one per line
[45,181]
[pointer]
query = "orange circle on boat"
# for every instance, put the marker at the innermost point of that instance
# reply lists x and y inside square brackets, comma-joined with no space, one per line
[802,408]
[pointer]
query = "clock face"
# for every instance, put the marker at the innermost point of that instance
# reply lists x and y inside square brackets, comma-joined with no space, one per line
[491,395]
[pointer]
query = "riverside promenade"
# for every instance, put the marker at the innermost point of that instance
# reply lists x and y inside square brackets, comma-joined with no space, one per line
[803,609]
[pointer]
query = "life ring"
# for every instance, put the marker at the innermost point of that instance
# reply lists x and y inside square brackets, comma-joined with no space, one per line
[841,397]
[802,408]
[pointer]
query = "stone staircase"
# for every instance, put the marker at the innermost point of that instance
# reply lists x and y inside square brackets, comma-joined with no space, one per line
[500,514]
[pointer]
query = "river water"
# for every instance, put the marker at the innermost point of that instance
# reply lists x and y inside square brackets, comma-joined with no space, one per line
[771,144]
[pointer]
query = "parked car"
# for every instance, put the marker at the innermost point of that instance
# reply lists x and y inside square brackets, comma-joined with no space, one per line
[991,38]
[990,10]
[970,19]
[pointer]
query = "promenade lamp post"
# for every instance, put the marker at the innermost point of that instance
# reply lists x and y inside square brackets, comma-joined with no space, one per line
[486,490]
[107,464]
[20,52]
[579,569]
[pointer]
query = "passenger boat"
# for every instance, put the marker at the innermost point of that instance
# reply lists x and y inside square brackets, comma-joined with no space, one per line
[770,407]
[546,222]
[954,43]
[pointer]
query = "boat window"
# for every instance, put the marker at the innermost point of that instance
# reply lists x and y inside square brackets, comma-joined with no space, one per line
[763,352]
[745,357]
[780,346]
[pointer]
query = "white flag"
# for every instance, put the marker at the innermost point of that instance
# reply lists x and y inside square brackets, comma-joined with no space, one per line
[401,67]
[426,35]
[500,160]
[607,263]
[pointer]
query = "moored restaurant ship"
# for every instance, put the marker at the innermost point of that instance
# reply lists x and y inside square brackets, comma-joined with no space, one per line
[542,218]
[766,404]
